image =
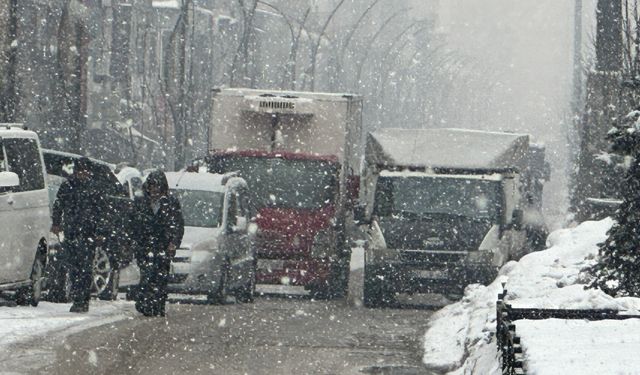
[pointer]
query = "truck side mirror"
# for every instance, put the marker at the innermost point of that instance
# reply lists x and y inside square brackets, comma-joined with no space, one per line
[517,219]
[9,181]
[359,214]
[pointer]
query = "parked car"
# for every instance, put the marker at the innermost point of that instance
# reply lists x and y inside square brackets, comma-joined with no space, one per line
[24,213]
[216,256]
[110,258]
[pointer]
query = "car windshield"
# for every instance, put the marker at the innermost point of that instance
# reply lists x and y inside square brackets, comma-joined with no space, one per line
[438,195]
[277,182]
[200,208]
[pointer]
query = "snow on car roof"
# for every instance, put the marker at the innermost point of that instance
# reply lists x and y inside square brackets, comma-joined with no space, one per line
[13,130]
[195,181]
[447,148]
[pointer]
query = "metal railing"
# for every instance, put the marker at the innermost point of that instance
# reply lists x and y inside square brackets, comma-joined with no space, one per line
[510,344]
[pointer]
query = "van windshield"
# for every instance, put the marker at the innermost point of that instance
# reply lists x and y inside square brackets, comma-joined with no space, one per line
[426,195]
[200,208]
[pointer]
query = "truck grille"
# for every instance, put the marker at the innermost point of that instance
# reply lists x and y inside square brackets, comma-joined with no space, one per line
[430,257]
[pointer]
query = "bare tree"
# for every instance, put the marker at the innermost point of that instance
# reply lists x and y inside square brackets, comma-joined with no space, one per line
[242,63]
[316,46]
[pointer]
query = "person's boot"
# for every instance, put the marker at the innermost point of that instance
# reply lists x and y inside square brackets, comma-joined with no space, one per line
[79,307]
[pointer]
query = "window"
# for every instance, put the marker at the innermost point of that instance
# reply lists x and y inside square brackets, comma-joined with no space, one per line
[24,159]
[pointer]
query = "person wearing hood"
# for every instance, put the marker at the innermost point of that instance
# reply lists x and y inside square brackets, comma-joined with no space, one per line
[79,212]
[160,227]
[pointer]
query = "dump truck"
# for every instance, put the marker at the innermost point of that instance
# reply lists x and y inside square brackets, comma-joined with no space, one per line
[444,208]
[300,154]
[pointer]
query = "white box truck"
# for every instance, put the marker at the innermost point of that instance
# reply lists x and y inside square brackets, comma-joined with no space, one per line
[300,154]
[445,208]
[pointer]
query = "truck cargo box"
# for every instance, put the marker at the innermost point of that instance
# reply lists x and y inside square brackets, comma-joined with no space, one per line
[454,149]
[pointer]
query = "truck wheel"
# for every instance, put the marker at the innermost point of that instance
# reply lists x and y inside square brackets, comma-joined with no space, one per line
[338,283]
[375,294]
[30,295]
[246,293]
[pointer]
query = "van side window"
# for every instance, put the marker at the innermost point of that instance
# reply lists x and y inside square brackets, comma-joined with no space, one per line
[23,159]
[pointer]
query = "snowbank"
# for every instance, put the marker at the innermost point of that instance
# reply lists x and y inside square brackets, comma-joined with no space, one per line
[460,338]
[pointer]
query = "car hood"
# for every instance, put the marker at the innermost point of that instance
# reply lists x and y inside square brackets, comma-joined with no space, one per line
[434,232]
[198,238]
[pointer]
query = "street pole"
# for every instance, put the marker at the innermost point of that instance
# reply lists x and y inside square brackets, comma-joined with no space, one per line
[576,97]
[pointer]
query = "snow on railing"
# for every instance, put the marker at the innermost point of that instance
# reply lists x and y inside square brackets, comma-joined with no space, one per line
[509,343]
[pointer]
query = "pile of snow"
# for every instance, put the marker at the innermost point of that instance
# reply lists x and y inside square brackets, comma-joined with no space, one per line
[460,339]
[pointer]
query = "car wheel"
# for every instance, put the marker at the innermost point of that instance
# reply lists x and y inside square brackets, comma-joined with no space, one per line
[101,271]
[30,295]
[219,295]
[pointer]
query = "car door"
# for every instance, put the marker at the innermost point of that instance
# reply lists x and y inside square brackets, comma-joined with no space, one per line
[8,227]
[30,205]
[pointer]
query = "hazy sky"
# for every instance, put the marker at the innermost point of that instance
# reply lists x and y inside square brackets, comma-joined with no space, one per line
[527,45]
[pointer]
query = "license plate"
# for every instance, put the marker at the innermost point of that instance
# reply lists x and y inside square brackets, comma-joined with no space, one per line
[430,274]
[270,265]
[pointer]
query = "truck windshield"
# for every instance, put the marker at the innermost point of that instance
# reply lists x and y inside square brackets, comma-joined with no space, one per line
[438,195]
[276,182]
[200,208]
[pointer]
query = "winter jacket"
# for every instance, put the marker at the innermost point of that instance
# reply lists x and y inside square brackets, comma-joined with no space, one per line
[80,209]
[155,231]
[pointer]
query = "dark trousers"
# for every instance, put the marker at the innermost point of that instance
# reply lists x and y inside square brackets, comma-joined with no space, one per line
[80,253]
[151,295]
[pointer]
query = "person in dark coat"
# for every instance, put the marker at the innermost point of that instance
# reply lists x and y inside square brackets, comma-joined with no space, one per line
[79,212]
[160,227]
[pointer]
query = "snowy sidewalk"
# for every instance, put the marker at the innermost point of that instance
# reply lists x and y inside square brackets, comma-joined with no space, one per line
[461,337]
[28,331]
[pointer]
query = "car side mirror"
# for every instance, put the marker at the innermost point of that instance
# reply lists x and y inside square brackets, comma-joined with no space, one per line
[360,214]
[517,219]
[9,180]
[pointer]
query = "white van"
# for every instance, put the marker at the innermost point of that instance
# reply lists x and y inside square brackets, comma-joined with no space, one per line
[24,213]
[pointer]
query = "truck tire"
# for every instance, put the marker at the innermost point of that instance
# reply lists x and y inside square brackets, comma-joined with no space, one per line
[336,285]
[30,295]
[375,293]
[246,293]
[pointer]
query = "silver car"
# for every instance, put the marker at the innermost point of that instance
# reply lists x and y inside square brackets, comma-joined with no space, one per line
[216,256]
